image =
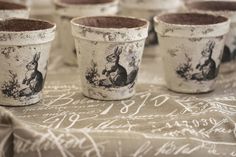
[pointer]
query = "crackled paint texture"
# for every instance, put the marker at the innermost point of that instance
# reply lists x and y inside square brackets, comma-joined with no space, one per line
[23,73]
[109,59]
[190,68]
[229,55]
[23,61]
[109,71]
[192,55]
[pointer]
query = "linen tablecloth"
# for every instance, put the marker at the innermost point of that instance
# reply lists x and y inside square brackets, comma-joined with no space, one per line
[154,123]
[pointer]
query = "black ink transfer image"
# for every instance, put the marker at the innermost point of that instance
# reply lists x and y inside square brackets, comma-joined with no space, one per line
[205,70]
[33,81]
[115,74]
[33,78]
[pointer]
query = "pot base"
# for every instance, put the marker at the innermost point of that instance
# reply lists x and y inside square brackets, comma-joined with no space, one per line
[190,91]
[20,103]
[104,95]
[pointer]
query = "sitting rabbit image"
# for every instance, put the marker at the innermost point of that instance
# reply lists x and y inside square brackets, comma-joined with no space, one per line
[115,72]
[207,65]
[33,78]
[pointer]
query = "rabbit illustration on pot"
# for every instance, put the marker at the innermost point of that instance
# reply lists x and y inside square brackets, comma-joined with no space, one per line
[33,78]
[207,65]
[116,73]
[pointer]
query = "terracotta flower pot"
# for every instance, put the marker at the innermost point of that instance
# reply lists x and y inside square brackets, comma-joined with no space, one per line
[24,47]
[191,45]
[10,10]
[148,9]
[109,52]
[68,9]
[226,8]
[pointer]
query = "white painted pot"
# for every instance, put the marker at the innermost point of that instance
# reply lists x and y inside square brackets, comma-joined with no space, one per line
[226,8]
[191,45]
[109,52]
[24,47]
[10,10]
[67,9]
[148,9]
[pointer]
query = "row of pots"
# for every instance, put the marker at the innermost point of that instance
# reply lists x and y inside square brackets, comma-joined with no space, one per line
[109,50]
[139,9]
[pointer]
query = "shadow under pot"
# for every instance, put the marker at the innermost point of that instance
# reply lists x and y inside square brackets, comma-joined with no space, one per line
[228,9]
[191,45]
[109,52]
[66,10]
[24,47]
[11,10]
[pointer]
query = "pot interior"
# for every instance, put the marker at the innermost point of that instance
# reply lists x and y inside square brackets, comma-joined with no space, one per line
[21,25]
[213,5]
[11,6]
[81,2]
[111,22]
[192,19]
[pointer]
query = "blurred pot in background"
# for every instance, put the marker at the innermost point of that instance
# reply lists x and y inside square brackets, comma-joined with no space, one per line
[25,2]
[228,9]
[42,9]
[10,10]
[148,9]
[68,9]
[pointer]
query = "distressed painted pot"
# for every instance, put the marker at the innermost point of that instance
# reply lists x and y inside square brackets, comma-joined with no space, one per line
[24,51]
[68,9]
[191,45]
[9,10]
[226,8]
[148,9]
[109,50]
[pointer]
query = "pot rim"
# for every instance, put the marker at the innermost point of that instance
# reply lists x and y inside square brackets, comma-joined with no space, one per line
[59,3]
[53,25]
[73,21]
[137,33]
[21,6]
[188,5]
[192,30]
[229,13]
[27,37]
[152,6]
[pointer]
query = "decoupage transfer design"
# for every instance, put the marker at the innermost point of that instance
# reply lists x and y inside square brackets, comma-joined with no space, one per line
[114,74]
[205,70]
[33,78]
[31,84]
